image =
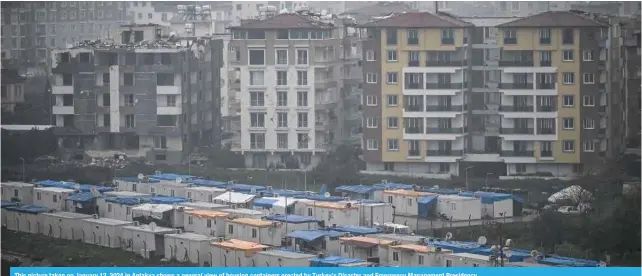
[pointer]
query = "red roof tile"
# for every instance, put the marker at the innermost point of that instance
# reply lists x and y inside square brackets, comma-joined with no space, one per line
[284,21]
[417,20]
[553,19]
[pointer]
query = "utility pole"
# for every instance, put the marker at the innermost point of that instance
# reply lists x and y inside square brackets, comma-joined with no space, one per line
[468,168]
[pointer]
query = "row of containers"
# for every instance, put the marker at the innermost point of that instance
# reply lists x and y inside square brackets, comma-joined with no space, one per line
[280,240]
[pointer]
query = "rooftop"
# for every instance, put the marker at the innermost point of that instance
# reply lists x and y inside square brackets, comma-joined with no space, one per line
[408,193]
[420,248]
[471,256]
[189,236]
[416,20]
[252,222]
[16,184]
[206,213]
[365,241]
[55,189]
[558,19]
[287,254]
[203,205]
[68,215]
[286,21]
[32,209]
[235,244]
[150,229]
[108,221]
[330,205]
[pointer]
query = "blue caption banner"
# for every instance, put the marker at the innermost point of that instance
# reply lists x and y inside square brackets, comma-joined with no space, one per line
[322,271]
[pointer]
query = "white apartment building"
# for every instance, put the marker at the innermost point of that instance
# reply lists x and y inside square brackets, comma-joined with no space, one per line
[148,12]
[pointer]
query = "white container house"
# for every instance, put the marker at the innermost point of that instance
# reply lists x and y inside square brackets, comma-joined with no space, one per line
[204,194]
[104,231]
[205,222]
[161,214]
[332,213]
[413,255]
[200,205]
[282,258]
[52,197]
[24,218]
[64,225]
[23,192]
[255,230]
[375,213]
[238,200]
[243,213]
[118,208]
[135,185]
[147,240]
[188,248]
[466,260]
[295,222]
[497,208]
[125,194]
[405,201]
[169,188]
[234,253]
[366,248]
[458,208]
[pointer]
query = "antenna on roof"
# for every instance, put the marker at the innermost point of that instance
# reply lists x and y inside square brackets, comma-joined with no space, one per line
[326,195]
[152,225]
[179,180]
[141,176]
[77,187]
[482,240]
[449,236]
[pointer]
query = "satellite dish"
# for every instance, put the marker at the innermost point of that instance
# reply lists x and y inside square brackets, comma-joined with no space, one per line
[326,195]
[95,192]
[482,240]
[77,187]
[602,264]
[449,236]
[253,190]
[509,243]
[152,225]
[141,176]
[174,205]
[179,180]
[534,253]
[508,252]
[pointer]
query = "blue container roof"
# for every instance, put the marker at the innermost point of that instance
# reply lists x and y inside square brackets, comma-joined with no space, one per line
[517,255]
[167,200]
[128,200]
[332,261]
[32,209]
[208,183]
[318,197]
[427,199]
[358,189]
[292,218]
[135,179]
[245,188]
[456,246]
[356,230]
[171,176]
[310,235]
[565,261]
[81,197]
[490,197]
[392,186]
[280,192]
[265,202]
[7,204]
[72,185]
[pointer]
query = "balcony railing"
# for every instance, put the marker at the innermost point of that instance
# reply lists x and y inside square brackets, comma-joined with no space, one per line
[516,86]
[545,41]
[413,63]
[546,108]
[601,130]
[516,131]
[546,154]
[448,63]
[410,85]
[516,108]
[413,130]
[443,152]
[413,108]
[510,40]
[414,153]
[521,153]
[413,41]
[447,41]
[444,85]
[546,131]
[452,130]
[516,63]
[444,108]
[602,108]
[545,86]
[545,63]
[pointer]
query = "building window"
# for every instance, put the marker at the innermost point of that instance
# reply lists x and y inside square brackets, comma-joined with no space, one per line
[589,78]
[301,57]
[282,98]
[282,57]
[587,55]
[160,142]
[282,140]
[393,100]
[567,55]
[302,78]
[370,56]
[510,36]
[282,119]
[413,148]
[257,119]
[413,37]
[393,145]
[569,123]
[302,140]
[520,168]
[257,57]
[371,77]
[391,36]
[545,36]
[372,122]
[371,100]
[302,98]
[393,122]
[589,146]
[372,144]
[106,120]
[254,233]
[129,121]
[448,36]
[588,101]
[568,100]
[257,99]
[256,34]
[546,149]
[302,120]
[129,99]
[257,78]
[589,123]
[257,140]
[569,145]
[67,80]
[128,79]
[568,36]
[281,77]
[392,55]
[392,78]
[569,78]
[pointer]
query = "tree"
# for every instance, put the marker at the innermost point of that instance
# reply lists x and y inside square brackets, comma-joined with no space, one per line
[339,167]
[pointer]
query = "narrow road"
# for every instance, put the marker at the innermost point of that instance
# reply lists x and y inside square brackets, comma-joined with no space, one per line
[427,224]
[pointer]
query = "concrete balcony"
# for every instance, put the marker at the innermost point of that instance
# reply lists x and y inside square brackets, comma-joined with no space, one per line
[547,108]
[442,108]
[60,90]
[444,153]
[66,110]
[168,110]
[516,63]
[516,131]
[168,90]
[452,130]
[446,63]
[445,86]
[526,153]
[514,108]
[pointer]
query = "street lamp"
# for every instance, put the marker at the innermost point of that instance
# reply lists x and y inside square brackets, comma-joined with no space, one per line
[23,169]
[503,249]
[467,176]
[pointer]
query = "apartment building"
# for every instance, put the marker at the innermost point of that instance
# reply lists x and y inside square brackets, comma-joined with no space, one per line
[156,101]
[287,76]
[507,98]
[12,89]
[31,29]
[630,82]
[148,12]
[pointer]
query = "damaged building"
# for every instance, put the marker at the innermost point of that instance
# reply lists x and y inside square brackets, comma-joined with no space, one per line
[144,95]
